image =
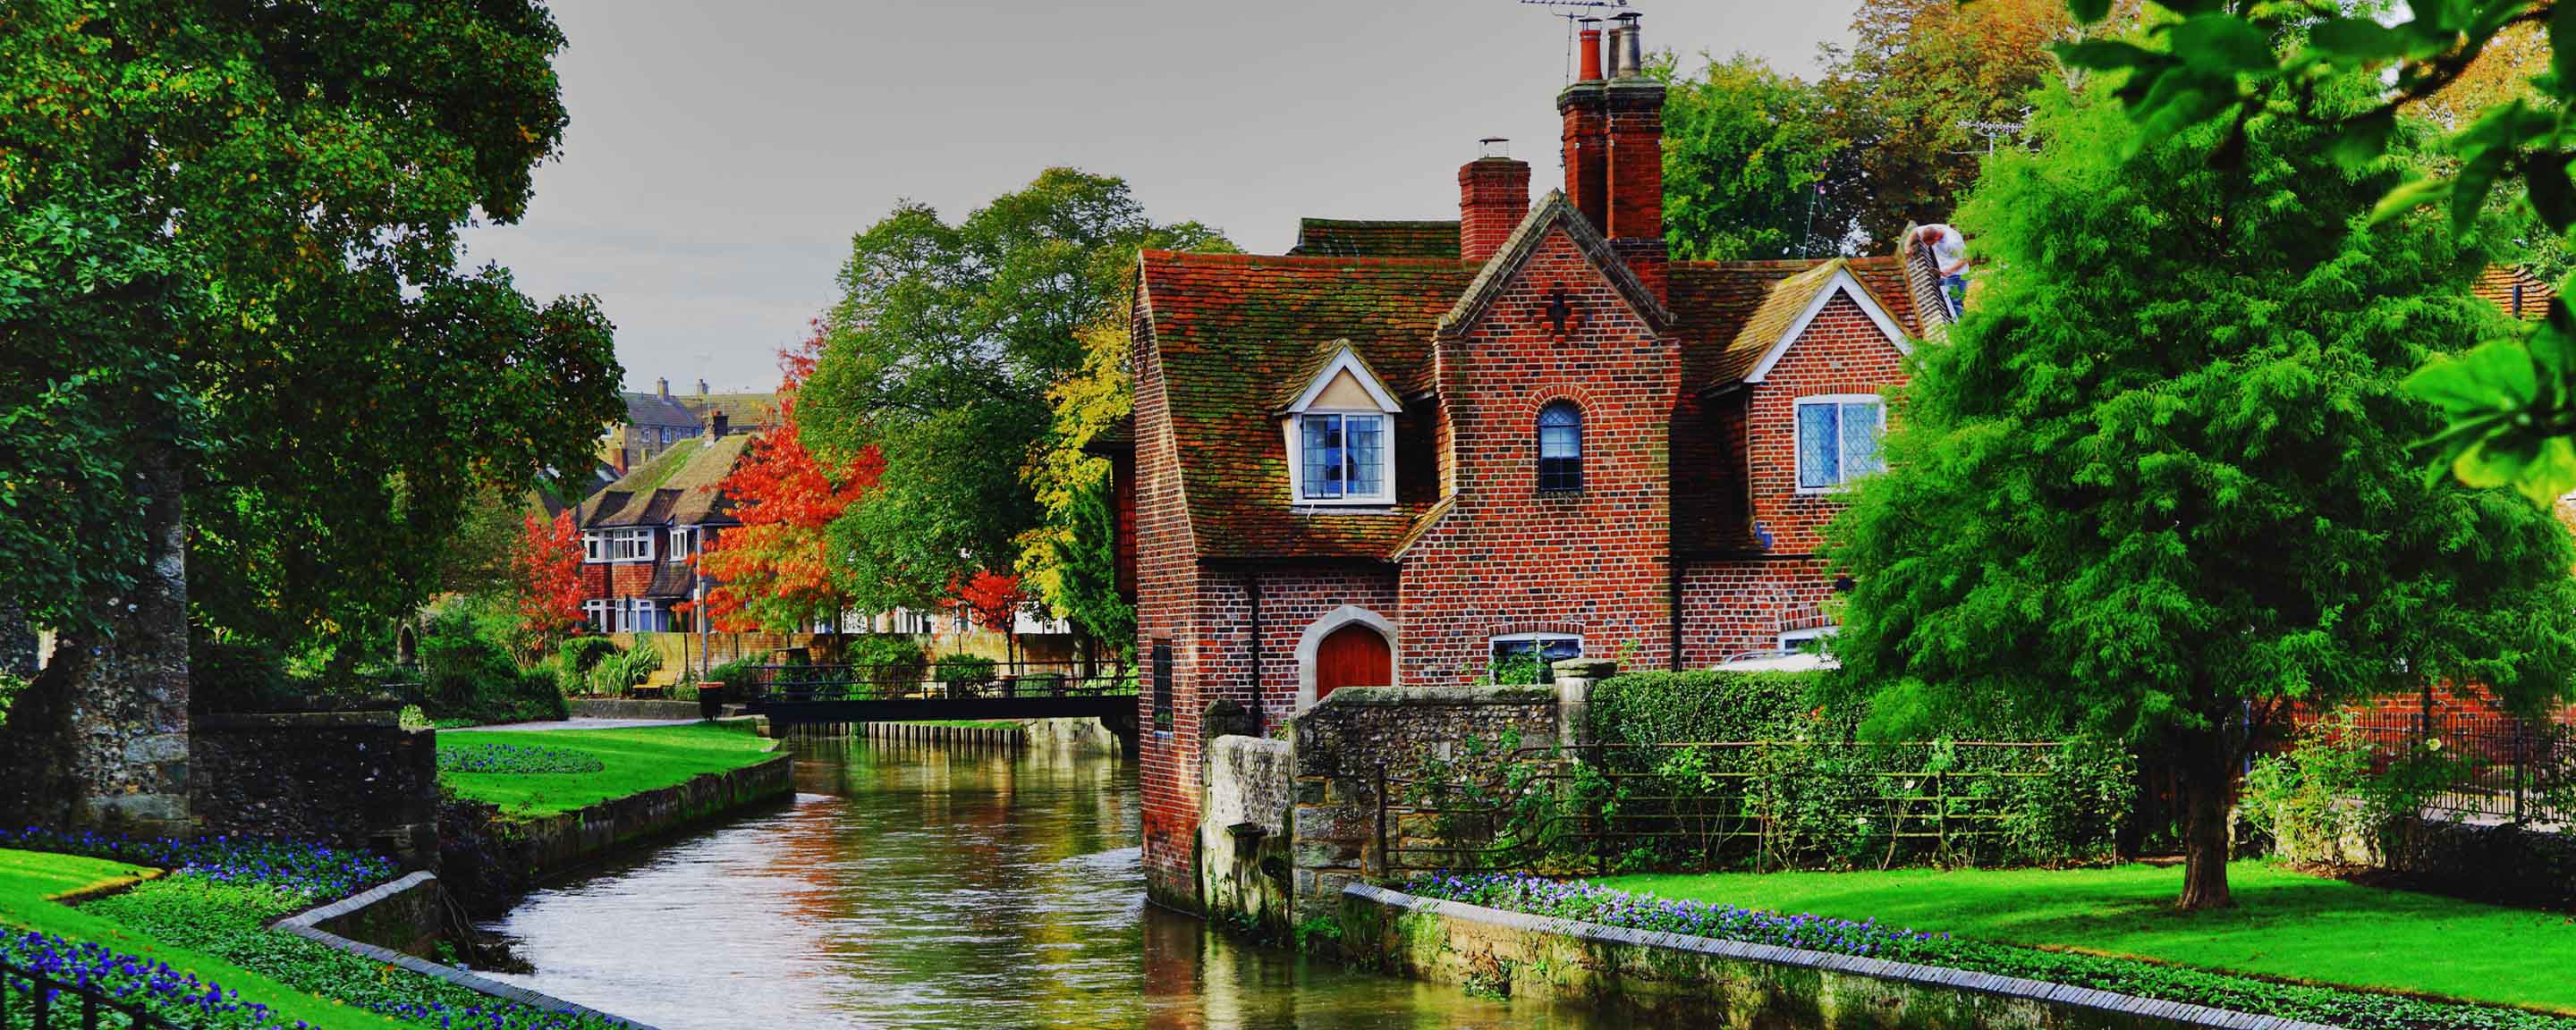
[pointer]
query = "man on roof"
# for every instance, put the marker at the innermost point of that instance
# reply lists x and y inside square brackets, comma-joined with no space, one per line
[1949,253]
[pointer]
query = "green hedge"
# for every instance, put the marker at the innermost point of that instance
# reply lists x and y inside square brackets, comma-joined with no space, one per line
[468,675]
[1677,707]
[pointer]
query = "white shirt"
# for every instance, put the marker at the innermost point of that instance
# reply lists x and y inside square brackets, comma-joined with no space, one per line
[1949,249]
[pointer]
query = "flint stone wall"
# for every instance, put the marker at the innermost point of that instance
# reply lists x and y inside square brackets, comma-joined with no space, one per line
[1244,831]
[353,779]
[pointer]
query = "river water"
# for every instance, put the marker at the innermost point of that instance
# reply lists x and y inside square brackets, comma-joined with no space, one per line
[940,887]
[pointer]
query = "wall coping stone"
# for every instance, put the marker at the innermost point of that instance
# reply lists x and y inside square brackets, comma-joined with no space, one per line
[303,924]
[1858,965]
[1400,697]
[285,720]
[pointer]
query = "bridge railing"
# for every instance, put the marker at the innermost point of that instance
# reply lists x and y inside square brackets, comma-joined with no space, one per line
[892,681]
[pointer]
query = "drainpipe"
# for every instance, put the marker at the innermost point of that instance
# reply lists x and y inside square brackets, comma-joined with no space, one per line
[1673,598]
[1253,583]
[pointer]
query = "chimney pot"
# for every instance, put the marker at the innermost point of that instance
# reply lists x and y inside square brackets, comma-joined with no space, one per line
[1590,61]
[662,387]
[1627,58]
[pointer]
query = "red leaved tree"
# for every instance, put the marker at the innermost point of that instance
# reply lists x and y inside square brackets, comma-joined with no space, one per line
[770,571]
[994,599]
[546,563]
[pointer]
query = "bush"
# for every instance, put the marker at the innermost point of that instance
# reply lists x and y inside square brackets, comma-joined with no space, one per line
[892,662]
[469,675]
[2322,798]
[964,674]
[581,654]
[624,670]
[740,676]
[1687,707]
[10,687]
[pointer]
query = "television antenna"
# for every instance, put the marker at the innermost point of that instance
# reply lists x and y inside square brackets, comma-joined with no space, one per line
[1574,11]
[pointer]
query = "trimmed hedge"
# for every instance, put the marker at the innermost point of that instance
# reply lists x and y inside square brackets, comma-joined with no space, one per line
[1677,707]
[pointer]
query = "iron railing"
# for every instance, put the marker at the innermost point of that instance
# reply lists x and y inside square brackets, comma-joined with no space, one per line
[30,1000]
[2506,769]
[889,681]
[1698,805]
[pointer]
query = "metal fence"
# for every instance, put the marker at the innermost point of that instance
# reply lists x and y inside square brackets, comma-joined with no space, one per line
[1702,805]
[30,1000]
[2507,770]
[926,680]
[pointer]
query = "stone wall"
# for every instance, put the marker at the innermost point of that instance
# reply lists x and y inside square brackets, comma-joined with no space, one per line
[355,779]
[1244,843]
[1348,742]
[1679,980]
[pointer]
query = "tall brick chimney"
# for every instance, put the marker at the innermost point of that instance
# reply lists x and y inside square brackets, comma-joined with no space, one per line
[1633,124]
[1587,150]
[1493,195]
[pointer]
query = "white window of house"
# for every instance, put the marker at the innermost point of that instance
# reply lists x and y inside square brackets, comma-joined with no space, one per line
[642,617]
[1531,657]
[630,545]
[1341,436]
[594,547]
[1809,640]
[1838,440]
[596,612]
[684,543]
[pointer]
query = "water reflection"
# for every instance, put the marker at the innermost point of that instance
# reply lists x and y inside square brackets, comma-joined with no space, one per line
[932,887]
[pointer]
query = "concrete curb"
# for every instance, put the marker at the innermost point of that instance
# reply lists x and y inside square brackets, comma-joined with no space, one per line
[2049,995]
[305,924]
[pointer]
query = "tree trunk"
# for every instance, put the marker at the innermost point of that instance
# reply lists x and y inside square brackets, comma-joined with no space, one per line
[2207,774]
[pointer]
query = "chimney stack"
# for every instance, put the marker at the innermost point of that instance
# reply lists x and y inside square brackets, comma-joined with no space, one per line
[662,387]
[1614,155]
[718,424]
[1493,196]
[1587,152]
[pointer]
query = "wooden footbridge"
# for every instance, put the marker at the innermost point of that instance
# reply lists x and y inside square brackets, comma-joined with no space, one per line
[812,695]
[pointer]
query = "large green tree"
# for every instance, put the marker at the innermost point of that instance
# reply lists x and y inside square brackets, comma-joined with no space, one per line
[1746,152]
[2159,483]
[229,287]
[940,355]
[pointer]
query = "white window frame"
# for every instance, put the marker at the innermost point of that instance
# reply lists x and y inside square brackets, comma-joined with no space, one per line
[596,611]
[639,615]
[594,547]
[1790,639]
[683,544]
[631,545]
[1546,668]
[1385,494]
[1798,441]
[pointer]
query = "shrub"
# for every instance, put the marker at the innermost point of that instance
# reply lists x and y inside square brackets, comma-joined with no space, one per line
[892,662]
[230,676]
[964,674]
[1685,707]
[624,671]
[10,687]
[2323,797]
[580,654]
[740,676]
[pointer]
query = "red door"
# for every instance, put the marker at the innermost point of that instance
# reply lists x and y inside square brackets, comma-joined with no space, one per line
[1353,656]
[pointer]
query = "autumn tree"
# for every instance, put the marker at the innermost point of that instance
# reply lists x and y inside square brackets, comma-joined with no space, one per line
[772,572]
[1069,559]
[939,356]
[545,565]
[2159,484]
[994,600]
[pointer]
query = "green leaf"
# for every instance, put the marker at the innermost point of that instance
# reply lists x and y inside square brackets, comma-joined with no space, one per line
[2086,11]
[2222,43]
[2494,377]
[2357,41]
[2562,42]
[2107,55]
[2408,196]
[2362,140]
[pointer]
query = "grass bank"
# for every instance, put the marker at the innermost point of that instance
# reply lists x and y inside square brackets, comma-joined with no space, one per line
[2286,925]
[628,761]
[28,882]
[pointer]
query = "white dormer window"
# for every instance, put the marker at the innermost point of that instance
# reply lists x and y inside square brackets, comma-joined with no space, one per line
[1340,436]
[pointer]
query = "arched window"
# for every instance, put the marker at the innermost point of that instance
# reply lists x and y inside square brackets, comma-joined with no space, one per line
[1560,447]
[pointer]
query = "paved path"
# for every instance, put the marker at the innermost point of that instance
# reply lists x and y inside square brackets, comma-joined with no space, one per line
[572,724]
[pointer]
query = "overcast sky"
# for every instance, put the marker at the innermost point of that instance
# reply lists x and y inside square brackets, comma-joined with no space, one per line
[721,154]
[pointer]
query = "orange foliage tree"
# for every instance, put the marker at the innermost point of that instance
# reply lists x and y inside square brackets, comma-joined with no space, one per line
[770,572]
[546,563]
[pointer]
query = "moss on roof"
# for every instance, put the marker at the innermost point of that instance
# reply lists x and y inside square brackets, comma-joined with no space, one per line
[1343,237]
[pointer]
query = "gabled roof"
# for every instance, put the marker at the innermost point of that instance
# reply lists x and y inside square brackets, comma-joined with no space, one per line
[2514,289]
[1553,211]
[676,488]
[1338,237]
[1330,360]
[1788,304]
[743,411]
[1229,330]
[653,409]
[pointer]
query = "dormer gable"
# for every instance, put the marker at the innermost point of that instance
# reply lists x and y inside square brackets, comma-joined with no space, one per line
[1344,382]
[1553,212]
[1773,338]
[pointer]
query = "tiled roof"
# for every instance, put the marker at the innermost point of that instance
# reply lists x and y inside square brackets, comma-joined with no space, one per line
[741,410]
[1734,312]
[676,488]
[1553,211]
[1336,237]
[653,409]
[2499,283]
[1229,329]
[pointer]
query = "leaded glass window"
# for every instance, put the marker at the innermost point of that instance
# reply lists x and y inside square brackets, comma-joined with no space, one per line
[1837,440]
[1342,457]
[1560,447]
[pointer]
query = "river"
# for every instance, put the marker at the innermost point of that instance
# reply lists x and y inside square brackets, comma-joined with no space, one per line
[940,887]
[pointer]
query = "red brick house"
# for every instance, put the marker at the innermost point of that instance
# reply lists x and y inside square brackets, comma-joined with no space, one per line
[1383,461]
[642,535]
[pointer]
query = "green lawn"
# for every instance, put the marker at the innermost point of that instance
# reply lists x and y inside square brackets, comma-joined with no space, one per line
[2286,925]
[637,760]
[28,878]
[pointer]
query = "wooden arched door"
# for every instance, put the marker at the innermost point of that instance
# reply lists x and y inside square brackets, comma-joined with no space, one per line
[1353,656]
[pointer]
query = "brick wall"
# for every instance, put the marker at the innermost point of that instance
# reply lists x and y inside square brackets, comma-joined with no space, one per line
[1842,351]
[1167,578]
[1732,607]
[1508,558]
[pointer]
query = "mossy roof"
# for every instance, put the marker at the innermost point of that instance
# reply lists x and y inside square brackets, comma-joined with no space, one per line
[676,488]
[1341,237]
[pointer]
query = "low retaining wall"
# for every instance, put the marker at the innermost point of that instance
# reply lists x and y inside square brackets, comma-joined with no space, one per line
[1076,735]
[548,845]
[353,779]
[1245,858]
[1681,978]
[396,908]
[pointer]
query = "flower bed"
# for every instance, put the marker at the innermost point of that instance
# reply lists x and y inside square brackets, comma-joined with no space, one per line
[142,983]
[219,900]
[1592,903]
[516,759]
